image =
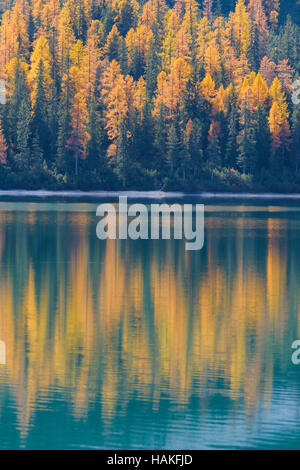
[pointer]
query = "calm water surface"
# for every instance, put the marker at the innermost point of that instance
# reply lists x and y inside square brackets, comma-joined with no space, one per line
[141,344]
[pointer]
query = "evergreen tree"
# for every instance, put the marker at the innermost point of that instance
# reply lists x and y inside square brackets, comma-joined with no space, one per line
[23,136]
[193,142]
[247,157]
[64,159]
[96,162]
[213,150]
[20,93]
[160,143]
[295,153]
[144,148]
[53,125]
[39,126]
[177,157]
[261,138]
[151,70]
[231,144]
[3,148]
[123,154]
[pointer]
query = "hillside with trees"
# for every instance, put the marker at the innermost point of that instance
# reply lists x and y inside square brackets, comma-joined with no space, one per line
[133,94]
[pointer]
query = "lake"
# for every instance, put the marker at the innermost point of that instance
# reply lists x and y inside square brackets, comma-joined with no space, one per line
[124,344]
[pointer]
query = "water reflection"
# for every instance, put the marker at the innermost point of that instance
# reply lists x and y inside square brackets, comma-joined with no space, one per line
[136,344]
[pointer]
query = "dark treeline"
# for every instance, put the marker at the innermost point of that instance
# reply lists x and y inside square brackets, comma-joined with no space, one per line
[150,95]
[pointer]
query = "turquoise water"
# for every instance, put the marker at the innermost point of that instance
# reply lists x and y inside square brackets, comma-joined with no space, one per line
[140,344]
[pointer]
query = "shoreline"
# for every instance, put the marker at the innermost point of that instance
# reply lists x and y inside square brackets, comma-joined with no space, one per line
[144,194]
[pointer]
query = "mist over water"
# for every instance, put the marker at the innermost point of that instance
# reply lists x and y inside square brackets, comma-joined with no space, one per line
[127,344]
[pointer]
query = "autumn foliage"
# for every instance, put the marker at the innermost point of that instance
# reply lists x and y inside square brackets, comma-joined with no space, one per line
[156,94]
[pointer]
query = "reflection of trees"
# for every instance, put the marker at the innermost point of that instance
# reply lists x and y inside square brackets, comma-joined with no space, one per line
[84,318]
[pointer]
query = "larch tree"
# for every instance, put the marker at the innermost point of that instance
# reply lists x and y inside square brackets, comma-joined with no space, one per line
[40,54]
[66,38]
[240,23]
[267,70]
[77,141]
[260,90]
[260,29]
[91,83]
[190,19]
[280,134]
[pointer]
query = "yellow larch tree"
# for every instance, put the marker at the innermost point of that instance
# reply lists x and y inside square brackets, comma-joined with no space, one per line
[77,53]
[116,109]
[14,38]
[208,88]
[190,19]
[66,37]
[183,42]
[49,16]
[111,76]
[11,70]
[240,24]
[204,36]
[278,118]
[37,6]
[7,47]
[169,51]
[115,99]
[241,69]
[176,82]
[19,21]
[169,48]
[79,136]
[41,53]
[277,94]
[279,128]
[275,123]
[212,61]
[260,90]
[93,54]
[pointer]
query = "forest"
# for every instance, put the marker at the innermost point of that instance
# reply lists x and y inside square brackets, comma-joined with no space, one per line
[160,94]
